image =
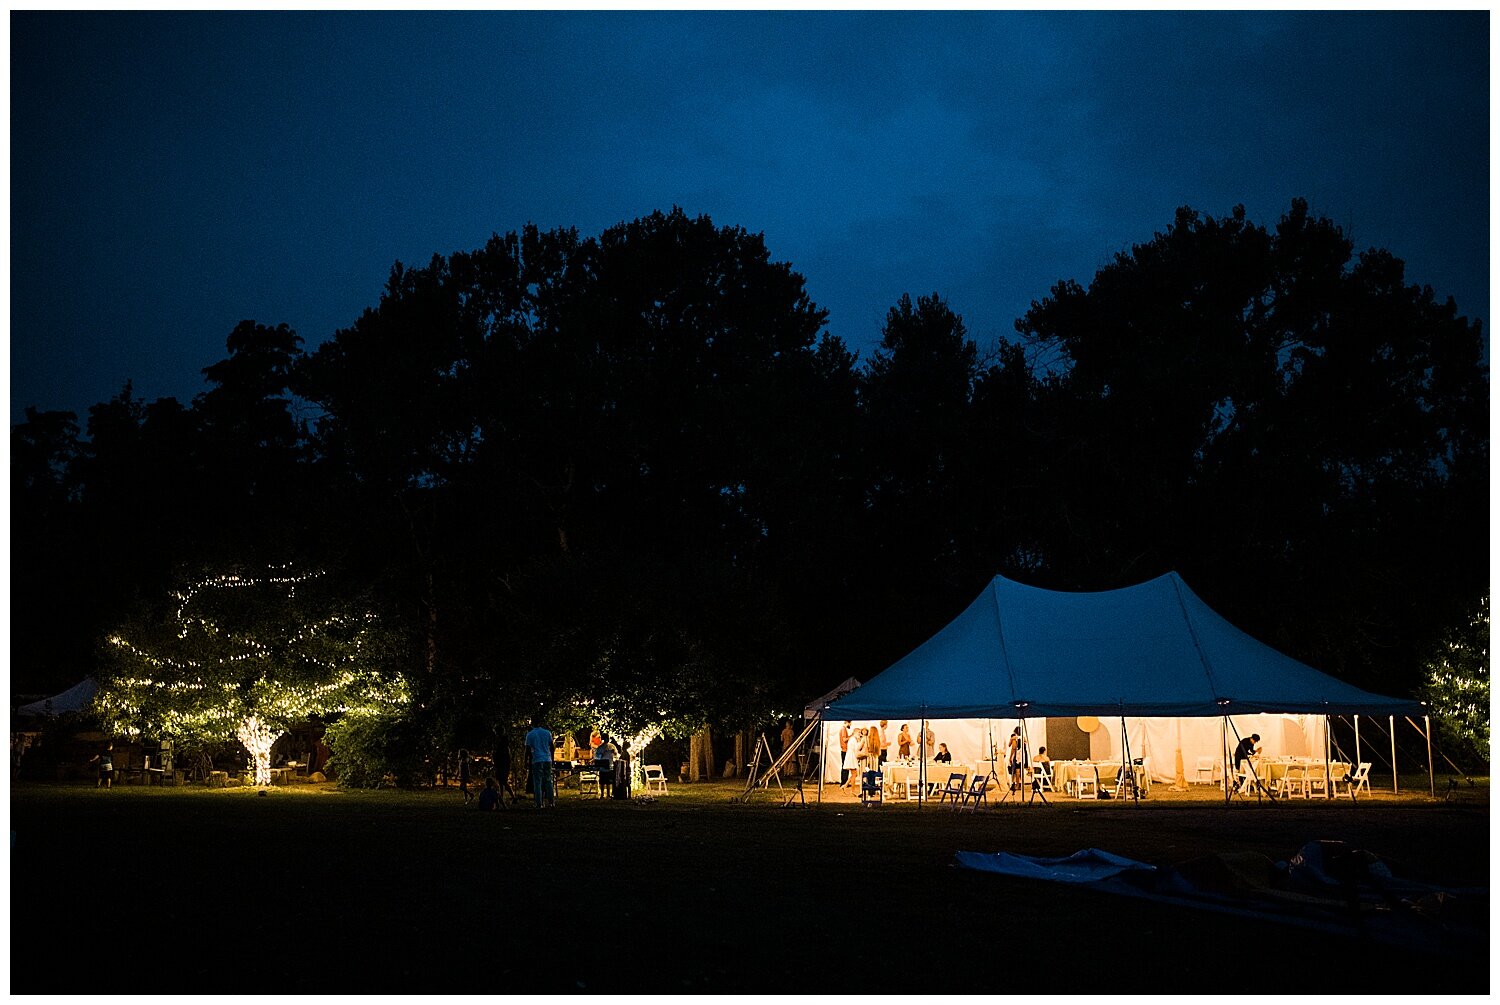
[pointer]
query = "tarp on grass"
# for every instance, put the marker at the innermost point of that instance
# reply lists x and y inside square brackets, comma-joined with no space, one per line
[1328,886]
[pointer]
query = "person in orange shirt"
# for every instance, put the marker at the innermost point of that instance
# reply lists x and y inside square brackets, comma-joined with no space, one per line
[844,734]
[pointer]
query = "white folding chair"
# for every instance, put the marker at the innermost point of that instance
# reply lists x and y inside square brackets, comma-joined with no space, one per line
[656,779]
[1041,777]
[1294,782]
[1085,782]
[1357,780]
[588,783]
[1206,772]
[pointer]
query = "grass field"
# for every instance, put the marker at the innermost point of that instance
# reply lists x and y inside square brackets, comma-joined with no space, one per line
[314,889]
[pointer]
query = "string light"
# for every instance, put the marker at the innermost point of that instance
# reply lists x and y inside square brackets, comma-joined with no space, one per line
[250,689]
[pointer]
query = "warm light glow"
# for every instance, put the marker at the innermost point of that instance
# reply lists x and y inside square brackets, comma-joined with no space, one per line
[254,688]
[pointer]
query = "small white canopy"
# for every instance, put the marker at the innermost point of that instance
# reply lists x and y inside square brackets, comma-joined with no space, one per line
[74,699]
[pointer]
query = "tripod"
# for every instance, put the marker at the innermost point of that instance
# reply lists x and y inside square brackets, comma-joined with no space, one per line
[1126,779]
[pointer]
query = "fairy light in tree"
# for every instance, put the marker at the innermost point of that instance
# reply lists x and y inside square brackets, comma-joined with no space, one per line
[248,657]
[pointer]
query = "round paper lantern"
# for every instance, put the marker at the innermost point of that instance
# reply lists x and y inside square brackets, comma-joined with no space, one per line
[1088,723]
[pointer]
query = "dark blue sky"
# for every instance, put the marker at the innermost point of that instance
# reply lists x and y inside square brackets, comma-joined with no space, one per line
[173,174]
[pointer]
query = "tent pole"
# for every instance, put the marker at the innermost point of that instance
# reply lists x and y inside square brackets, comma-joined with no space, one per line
[1224,755]
[1327,757]
[1431,774]
[1395,785]
[822,754]
[922,764]
[1357,758]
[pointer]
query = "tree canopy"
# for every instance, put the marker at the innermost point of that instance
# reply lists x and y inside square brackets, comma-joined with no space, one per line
[636,470]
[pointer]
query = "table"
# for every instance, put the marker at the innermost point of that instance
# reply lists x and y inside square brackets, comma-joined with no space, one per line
[898,773]
[1063,773]
[1272,770]
[280,776]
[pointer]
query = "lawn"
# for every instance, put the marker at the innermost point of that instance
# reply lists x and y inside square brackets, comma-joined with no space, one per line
[314,889]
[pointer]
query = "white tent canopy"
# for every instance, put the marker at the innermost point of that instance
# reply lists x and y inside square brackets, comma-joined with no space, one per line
[74,699]
[1152,657]
[1151,650]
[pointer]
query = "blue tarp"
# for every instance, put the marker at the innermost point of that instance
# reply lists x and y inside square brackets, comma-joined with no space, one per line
[1154,649]
[1328,886]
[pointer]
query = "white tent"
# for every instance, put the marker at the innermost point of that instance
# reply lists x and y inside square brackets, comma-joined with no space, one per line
[818,704]
[1153,657]
[74,699]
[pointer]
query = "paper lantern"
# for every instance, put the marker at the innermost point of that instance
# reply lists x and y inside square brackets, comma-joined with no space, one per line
[1088,723]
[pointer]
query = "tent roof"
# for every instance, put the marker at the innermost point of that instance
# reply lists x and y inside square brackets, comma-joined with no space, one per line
[817,704]
[74,699]
[1153,649]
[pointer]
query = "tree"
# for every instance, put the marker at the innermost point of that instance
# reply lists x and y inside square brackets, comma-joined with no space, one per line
[1297,430]
[247,657]
[1457,688]
[658,395]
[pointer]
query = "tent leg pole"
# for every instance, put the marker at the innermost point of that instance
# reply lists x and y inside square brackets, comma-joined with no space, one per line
[1224,755]
[1395,785]
[1431,772]
[1328,758]
[822,757]
[1357,757]
[922,765]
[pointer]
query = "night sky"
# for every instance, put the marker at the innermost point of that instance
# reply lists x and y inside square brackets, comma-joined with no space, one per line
[174,174]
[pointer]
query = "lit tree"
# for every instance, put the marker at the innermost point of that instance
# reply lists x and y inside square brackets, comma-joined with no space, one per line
[248,657]
[1458,683]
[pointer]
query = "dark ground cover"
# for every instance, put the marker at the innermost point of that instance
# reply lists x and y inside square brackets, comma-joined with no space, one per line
[313,889]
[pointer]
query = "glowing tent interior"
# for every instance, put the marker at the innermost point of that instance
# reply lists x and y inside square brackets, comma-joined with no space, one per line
[1153,656]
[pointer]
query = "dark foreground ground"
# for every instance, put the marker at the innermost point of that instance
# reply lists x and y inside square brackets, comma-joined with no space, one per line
[312,889]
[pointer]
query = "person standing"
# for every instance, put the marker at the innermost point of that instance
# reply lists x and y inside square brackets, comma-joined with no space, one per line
[539,750]
[844,734]
[463,775]
[903,742]
[874,751]
[885,741]
[1246,749]
[1017,763]
[931,739]
[502,767]
[106,759]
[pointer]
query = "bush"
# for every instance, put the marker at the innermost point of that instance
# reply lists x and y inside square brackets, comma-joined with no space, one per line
[370,751]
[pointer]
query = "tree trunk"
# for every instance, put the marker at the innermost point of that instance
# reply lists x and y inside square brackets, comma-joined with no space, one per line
[258,739]
[741,741]
[695,757]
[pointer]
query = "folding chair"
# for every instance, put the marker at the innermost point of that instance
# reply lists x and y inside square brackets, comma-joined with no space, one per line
[954,788]
[975,794]
[1041,777]
[1206,772]
[872,792]
[1085,782]
[656,779]
[1357,780]
[588,783]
